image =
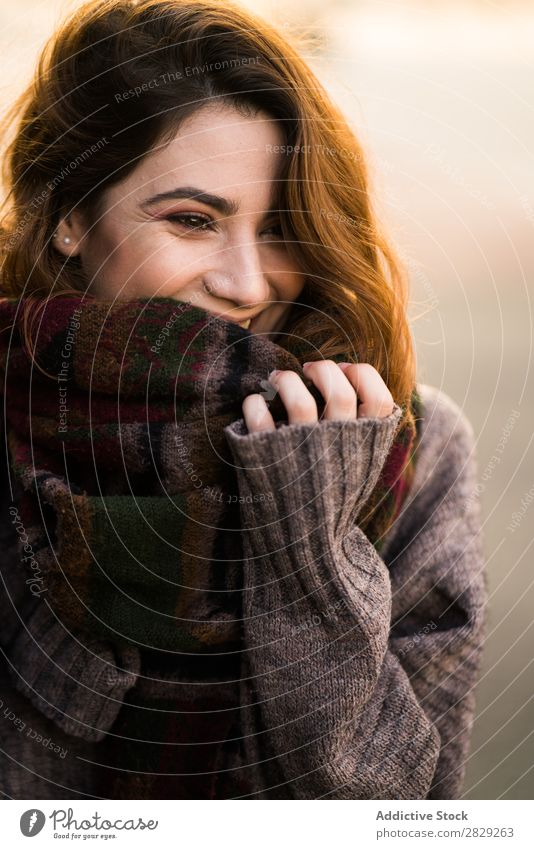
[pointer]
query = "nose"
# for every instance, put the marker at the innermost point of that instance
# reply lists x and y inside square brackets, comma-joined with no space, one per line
[238,276]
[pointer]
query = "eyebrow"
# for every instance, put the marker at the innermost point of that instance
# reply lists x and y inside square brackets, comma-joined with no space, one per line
[222,205]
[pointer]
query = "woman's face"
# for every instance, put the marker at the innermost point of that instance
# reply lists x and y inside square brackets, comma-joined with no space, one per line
[221,250]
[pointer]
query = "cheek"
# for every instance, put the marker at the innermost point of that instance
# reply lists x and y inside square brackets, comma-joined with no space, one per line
[290,287]
[288,276]
[138,264]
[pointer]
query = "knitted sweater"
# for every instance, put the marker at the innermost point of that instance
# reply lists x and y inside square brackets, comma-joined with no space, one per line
[356,675]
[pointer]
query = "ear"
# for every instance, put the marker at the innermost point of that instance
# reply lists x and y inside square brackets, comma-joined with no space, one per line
[69,234]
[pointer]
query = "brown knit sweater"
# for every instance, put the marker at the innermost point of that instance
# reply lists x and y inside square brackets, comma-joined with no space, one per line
[357,674]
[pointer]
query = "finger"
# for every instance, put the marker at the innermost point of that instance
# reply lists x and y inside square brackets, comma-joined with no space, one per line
[338,392]
[256,414]
[373,394]
[297,399]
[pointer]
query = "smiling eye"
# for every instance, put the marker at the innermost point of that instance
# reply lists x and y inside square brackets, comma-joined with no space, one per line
[195,221]
[276,227]
[188,220]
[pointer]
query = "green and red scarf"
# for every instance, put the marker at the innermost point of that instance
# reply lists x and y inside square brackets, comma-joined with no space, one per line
[122,478]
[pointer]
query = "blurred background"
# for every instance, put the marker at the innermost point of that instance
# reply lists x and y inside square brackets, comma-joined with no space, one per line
[442,96]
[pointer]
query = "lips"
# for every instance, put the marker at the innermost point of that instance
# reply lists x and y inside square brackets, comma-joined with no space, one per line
[246,324]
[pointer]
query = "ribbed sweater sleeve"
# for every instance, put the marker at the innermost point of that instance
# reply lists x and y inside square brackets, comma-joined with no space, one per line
[80,685]
[331,708]
[77,681]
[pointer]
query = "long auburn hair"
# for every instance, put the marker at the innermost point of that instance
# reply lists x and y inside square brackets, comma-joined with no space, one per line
[76,135]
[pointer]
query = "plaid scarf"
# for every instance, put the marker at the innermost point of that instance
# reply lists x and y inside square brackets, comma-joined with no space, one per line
[124,485]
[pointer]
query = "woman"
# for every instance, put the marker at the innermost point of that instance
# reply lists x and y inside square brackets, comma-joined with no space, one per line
[260,574]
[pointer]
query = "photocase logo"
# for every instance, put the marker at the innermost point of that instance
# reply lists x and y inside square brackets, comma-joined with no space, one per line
[31,822]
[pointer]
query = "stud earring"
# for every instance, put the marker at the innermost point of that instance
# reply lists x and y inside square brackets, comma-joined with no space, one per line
[66,239]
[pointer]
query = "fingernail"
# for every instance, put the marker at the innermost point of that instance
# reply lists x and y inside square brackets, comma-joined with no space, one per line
[273,373]
[305,364]
[344,365]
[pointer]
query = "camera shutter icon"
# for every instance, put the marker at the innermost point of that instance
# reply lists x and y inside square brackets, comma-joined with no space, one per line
[269,390]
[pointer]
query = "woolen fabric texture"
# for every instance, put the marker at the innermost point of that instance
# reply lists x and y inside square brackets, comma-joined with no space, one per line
[227,640]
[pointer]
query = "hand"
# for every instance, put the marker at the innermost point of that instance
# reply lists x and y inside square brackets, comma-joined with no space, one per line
[342,385]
